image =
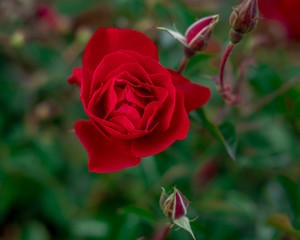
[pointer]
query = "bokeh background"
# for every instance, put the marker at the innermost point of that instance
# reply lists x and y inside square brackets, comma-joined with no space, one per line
[46,190]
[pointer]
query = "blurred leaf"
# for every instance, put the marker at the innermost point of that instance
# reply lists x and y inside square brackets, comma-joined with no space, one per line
[131,222]
[213,205]
[282,222]
[52,206]
[131,8]
[150,171]
[87,228]
[35,231]
[141,212]
[293,192]
[74,7]
[228,138]
[225,133]
[242,203]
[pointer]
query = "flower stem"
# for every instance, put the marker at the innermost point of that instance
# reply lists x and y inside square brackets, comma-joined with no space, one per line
[269,98]
[163,233]
[183,65]
[227,52]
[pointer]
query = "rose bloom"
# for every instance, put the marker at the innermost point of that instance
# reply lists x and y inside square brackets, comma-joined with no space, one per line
[287,12]
[136,107]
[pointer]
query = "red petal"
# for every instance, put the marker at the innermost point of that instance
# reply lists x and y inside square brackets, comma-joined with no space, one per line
[85,87]
[109,63]
[195,95]
[76,77]
[196,27]
[166,113]
[108,40]
[104,155]
[155,142]
[181,205]
[105,94]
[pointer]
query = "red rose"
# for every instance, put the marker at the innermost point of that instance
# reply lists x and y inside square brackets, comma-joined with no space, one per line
[136,107]
[285,11]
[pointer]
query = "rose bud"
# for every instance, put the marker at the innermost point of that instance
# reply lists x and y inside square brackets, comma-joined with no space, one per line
[48,15]
[174,206]
[197,35]
[206,173]
[243,19]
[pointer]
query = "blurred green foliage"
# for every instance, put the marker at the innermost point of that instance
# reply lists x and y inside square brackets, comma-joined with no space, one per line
[46,191]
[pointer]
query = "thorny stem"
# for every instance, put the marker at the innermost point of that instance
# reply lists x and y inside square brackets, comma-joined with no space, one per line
[163,233]
[183,65]
[227,52]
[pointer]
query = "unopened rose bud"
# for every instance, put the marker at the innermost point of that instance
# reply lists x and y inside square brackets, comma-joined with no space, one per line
[243,19]
[48,15]
[198,34]
[174,206]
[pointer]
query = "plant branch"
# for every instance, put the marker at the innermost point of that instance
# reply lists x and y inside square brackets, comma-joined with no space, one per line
[161,235]
[269,98]
[183,65]
[227,52]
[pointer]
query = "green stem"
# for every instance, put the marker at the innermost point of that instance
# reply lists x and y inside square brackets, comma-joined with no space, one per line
[183,65]
[163,233]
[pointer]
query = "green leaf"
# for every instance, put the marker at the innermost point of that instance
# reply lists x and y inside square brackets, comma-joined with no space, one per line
[141,212]
[90,228]
[292,190]
[228,138]
[35,231]
[184,223]
[225,133]
[282,222]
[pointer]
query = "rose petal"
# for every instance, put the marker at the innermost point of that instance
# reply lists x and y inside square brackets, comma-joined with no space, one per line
[85,87]
[133,97]
[165,115]
[125,78]
[131,113]
[155,142]
[195,95]
[104,100]
[108,40]
[196,27]
[109,63]
[104,155]
[151,66]
[115,127]
[136,74]
[284,11]
[76,77]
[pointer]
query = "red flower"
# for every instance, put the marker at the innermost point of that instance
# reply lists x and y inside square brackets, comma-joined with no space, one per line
[285,11]
[136,107]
